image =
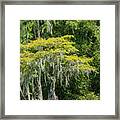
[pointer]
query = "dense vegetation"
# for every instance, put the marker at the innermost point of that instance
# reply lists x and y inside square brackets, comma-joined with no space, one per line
[60,59]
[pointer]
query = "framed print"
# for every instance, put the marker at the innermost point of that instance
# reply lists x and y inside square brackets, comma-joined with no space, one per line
[60,59]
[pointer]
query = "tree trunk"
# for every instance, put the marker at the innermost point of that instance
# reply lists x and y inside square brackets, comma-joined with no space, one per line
[40,96]
[51,91]
[38,31]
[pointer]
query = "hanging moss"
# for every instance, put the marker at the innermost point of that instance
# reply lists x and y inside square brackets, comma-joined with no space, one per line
[55,64]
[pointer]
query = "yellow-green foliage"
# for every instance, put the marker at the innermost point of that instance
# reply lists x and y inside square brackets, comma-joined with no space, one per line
[42,47]
[82,62]
[60,46]
[89,96]
[62,43]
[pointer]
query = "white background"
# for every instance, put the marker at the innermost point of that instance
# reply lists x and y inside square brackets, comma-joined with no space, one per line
[106,104]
